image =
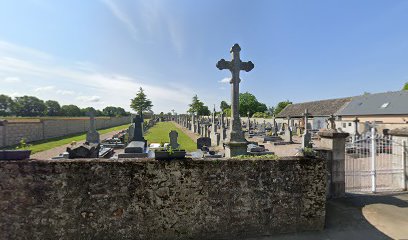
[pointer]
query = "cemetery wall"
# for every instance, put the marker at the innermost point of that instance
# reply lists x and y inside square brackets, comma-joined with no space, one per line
[148,199]
[12,132]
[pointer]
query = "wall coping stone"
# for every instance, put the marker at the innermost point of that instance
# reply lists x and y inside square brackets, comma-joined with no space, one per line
[152,160]
[402,132]
[329,133]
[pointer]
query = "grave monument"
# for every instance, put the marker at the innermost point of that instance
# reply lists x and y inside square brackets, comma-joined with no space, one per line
[235,143]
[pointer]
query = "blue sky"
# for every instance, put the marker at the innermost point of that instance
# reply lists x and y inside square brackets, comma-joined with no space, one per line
[99,52]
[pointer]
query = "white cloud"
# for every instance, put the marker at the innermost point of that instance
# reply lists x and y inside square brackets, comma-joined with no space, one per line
[116,89]
[89,98]
[45,89]
[151,21]
[123,17]
[11,80]
[65,92]
[225,80]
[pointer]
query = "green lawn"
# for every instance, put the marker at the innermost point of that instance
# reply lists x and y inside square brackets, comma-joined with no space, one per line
[44,145]
[160,133]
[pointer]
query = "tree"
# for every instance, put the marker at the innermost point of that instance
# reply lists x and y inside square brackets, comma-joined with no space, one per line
[71,111]
[227,112]
[224,105]
[281,106]
[114,111]
[249,104]
[198,107]
[52,108]
[28,106]
[261,115]
[405,87]
[271,110]
[109,111]
[87,110]
[6,105]
[140,103]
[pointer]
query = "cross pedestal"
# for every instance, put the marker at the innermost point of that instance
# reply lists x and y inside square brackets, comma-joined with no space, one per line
[235,143]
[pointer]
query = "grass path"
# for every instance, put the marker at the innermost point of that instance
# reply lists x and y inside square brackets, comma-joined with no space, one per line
[160,133]
[51,143]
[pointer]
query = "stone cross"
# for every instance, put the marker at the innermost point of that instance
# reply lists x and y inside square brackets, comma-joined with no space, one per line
[306,137]
[306,115]
[355,134]
[236,143]
[331,124]
[173,135]
[92,136]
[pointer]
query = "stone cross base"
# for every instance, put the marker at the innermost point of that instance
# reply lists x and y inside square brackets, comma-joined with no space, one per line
[233,149]
[92,137]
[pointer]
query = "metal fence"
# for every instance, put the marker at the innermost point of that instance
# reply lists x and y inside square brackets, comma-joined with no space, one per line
[375,163]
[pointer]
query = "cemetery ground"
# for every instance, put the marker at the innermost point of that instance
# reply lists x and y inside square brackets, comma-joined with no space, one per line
[160,134]
[361,216]
[52,147]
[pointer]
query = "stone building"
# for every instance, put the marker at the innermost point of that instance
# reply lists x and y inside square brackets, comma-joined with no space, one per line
[319,112]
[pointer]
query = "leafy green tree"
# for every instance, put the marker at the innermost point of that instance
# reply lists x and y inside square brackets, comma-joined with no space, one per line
[224,105]
[141,103]
[114,111]
[405,87]
[6,105]
[71,111]
[227,112]
[261,115]
[281,106]
[109,111]
[29,106]
[87,110]
[198,107]
[249,104]
[53,108]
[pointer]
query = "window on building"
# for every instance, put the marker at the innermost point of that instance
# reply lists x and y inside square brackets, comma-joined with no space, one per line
[349,124]
[344,125]
[385,105]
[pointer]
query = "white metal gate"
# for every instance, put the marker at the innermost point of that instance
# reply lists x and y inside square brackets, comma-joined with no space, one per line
[375,163]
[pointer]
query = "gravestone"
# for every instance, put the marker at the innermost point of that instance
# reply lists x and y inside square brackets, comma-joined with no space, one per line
[137,129]
[92,136]
[287,136]
[135,149]
[173,135]
[355,134]
[306,137]
[90,150]
[235,143]
[215,137]
[203,141]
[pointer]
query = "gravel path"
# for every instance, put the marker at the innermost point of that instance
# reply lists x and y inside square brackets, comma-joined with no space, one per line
[44,155]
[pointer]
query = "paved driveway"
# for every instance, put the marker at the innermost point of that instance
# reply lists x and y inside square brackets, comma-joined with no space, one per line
[361,217]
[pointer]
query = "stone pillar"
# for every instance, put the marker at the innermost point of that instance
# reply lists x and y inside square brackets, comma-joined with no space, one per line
[335,142]
[306,137]
[3,133]
[400,153]
[355,130]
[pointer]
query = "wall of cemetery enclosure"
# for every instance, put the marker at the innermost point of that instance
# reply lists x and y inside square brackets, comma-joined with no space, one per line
[148,199]
[12,132]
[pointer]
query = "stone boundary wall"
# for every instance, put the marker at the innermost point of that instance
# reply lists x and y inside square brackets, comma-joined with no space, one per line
[148,199]
[12,132]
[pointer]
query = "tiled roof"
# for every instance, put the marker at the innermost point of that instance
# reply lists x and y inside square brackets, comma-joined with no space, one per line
[315,108]
[388,103]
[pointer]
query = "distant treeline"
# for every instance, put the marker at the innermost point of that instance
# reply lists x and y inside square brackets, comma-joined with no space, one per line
[29,106]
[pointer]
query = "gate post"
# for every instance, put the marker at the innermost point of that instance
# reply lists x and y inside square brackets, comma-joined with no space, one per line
[401,135]
[373,151]
[336,143]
